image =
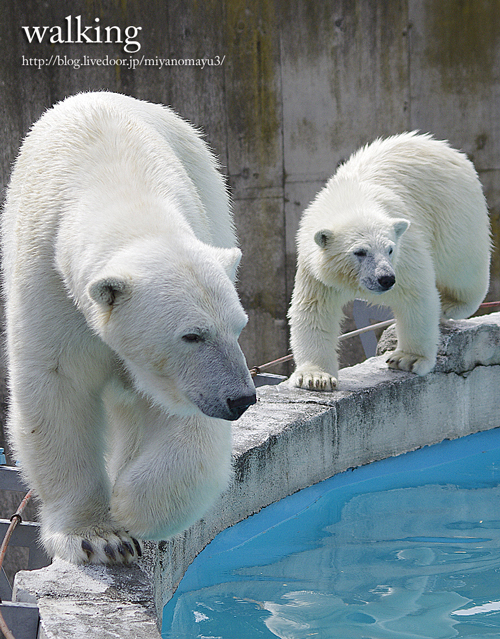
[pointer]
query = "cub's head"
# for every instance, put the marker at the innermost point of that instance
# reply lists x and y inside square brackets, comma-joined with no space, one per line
[362,253]
[172,315]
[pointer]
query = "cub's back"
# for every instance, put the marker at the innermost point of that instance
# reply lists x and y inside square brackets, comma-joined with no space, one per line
[438,185]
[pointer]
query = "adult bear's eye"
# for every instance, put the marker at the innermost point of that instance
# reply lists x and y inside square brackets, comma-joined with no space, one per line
[360,253]
[192,338]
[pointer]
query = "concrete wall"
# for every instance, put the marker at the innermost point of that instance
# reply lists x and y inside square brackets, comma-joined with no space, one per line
[289,440]
[301,86]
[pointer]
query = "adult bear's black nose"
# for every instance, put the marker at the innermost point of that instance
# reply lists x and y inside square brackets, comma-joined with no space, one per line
[239,405]
[386,282]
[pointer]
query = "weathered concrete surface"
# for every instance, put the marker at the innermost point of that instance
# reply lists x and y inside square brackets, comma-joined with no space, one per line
[464,344]
[291,439]
[90,602]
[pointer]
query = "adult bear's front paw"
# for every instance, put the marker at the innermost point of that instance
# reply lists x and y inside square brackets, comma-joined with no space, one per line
[410,362]
[313,379]
[93,545]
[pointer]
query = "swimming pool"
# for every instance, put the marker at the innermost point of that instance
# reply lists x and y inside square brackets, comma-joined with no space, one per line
[404,548]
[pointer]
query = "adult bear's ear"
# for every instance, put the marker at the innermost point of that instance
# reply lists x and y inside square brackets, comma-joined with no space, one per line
[108,291]
[323,237]
[400,226]
[230,259]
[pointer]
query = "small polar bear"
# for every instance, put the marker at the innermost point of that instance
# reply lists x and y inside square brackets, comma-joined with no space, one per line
[122,319]
[403,223]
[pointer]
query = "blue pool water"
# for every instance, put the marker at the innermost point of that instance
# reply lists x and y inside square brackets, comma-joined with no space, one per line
[404,548]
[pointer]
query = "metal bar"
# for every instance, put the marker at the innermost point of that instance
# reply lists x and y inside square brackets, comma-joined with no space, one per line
[26,534]
[10,479]
[363,313]
[22,619]
[5,587]
[266,379]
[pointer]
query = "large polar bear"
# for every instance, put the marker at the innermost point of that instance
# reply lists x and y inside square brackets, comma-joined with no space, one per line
[119,260]
[403,223]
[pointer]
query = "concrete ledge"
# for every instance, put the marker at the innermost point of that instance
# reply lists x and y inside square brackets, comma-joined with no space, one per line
[464,344]
[291,439]
[91,601]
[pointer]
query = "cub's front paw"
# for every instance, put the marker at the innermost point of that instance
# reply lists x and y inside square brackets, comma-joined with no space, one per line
[409,362]
[313,379]
[93,545]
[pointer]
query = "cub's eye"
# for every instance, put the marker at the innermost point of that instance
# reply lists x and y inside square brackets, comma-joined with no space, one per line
[192,338]
[391,250]
[360,253]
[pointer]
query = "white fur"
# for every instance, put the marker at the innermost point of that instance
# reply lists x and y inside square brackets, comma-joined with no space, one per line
[410,208]
[119,261]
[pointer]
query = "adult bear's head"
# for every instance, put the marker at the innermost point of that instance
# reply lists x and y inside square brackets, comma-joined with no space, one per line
[170,311]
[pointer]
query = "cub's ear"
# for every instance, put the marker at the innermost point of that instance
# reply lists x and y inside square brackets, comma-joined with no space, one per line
[109,291]
[230,259]
[323,237]
[400,226]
